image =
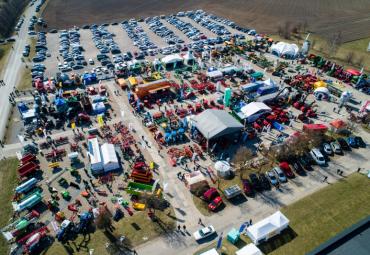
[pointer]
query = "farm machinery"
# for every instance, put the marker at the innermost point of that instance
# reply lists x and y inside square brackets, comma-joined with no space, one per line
[141,173]
[19,227]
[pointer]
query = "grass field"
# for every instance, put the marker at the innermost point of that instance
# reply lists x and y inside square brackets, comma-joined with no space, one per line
[317,218]
[8,182]
[25,82]
[4,52]
[137,229]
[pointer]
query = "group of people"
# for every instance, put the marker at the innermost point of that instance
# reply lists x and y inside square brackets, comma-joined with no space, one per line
[2,83]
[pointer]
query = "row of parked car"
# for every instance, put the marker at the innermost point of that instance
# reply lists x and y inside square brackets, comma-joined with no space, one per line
[38,7]
[287,169]
[161,30]
[137,35]
[103,40]
[71,50]
[188,29]
[41,48]
[205,21]
[19,24]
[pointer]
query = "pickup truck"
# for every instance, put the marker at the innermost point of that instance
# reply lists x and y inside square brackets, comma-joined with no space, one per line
[232,191]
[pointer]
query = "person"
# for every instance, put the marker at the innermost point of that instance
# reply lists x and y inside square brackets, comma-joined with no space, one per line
[358,169]
[200,221]
[338,171]
[250,222]
[184,227]
[179,228]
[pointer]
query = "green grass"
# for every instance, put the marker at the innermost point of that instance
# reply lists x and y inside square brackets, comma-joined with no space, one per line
[8,181]
[25,82]
[4,52]
[358,47]
[201,205]
[137,229]
[316,218]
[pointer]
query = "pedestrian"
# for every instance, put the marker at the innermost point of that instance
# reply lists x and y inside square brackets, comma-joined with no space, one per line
[179,228]
[325,178]
[250,222]
[338,171]
[200,221]
[134,251]
[358,169]
[184,227]
[186,166]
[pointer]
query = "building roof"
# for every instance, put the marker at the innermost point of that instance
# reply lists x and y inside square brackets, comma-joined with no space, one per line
[94,151]
[253,108]
[210,252]
[249,249]
[215,123]
[109,154]
[172,59]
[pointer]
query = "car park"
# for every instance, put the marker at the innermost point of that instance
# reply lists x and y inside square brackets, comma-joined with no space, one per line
[265,183]
[204,233]
[317,156]
[280,174]
[255,182]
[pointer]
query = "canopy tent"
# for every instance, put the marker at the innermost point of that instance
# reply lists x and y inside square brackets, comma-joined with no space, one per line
[223,168]
[249,249]
[210,252]
[173,61]
[269,82]
[98,107]
[285,49]
[194,179]
[216,123]
[110,161]
[321,93]
[95,156]
[268,227]
[189,58]
[253,111]
[319,84]
[214,74]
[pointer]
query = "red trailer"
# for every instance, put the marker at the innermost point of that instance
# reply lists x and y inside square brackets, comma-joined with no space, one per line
[28,168]
[28,158]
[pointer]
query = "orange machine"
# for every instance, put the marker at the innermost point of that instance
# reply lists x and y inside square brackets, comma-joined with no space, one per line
[146,89]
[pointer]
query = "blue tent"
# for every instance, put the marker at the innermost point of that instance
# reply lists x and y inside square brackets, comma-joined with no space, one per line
[22,107]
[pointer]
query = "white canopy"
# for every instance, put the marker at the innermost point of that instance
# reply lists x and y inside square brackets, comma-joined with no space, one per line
[156,62]
[189,56]
[267,227]
[322,90]
[223,168]
[269,82]
[95,155]
[171,59]
[214,74]
[110,160]
[283,48]
[253,110]
[249,249]
[210,252]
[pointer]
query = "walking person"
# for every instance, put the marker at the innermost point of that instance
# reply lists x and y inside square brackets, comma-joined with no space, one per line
[200,221]
[184,228]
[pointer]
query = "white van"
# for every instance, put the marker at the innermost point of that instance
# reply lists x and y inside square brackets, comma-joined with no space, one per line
[317,156]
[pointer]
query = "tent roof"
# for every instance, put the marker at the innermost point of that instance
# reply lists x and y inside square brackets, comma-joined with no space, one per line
[269,82]
[338,123]
[283,48]
[249,249]
[254,107]
[172,59]
[194,177]
[109,154]
[215,73]
[210,252]
[215,123]
[189,56]
[268,225]
[94,151]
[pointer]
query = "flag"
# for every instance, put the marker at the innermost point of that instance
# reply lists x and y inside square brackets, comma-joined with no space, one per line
[219,242]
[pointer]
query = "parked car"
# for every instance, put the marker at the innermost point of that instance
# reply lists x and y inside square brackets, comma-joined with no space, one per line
[280,174]
[352,142]
[327,149]
[272,178]
[204,232]
[264,182]
[210,194]
[284,166]
[317,156]
[256,184]
[336,148]
[360,142]
[216,203]
[343,144]
[247,187]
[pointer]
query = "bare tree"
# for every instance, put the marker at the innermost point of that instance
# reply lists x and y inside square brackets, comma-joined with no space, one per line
[241,156]
[349,57]
[287,30]
[280,31]
[104,219]
[360,60]
[304,26]
[334,41]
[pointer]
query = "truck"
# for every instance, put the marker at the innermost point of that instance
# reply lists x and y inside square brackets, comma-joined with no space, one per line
[27,169]
[232,191]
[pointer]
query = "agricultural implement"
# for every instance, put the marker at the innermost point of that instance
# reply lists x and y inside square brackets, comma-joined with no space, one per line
[27,169]
[17,227]
[61,140]
[28,158]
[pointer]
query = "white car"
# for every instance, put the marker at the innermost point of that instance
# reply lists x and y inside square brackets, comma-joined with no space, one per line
[317,156]
[91,61]
[204,232]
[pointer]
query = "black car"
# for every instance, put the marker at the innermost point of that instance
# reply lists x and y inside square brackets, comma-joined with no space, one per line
[305,163]
[255,182]
[360,142]
[298,168]
[343,144]
[264,182]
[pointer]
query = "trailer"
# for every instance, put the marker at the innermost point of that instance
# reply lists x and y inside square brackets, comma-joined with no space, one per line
[15,228]
[28,202]
[232,191]
[27,169]
[28,158]
[135,188]
[26,186]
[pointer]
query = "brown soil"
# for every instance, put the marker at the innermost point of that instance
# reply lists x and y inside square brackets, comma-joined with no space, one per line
[322,17]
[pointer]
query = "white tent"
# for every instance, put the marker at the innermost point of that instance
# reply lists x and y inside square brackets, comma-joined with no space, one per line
[253,111]
[249,249]
[215,74]
[189,58]
[268,227]
[210,252]
[269,82]
[283,48]
[193,179]
[223,168]
[95,155]
[171,59]
[110,160]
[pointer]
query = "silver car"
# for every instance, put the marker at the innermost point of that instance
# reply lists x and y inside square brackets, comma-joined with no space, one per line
[336,148]
[280,174]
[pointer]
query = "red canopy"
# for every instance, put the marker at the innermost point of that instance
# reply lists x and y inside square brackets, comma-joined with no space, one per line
[354,72]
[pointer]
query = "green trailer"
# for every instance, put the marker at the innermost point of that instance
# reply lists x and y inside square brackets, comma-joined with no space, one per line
[135,188]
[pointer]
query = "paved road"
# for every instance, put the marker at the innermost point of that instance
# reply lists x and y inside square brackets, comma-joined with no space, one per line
[13,69]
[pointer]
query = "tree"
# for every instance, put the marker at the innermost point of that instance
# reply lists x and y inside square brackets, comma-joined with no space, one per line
[360,60]
[104,219]
[349,57]
[334,41]
[242,156]
[154,202]
[287,30]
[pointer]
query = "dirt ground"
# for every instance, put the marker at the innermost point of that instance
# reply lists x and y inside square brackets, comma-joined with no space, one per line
[322,17]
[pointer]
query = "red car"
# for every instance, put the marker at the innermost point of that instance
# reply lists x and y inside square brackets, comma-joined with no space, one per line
[211,194]
[247,187]
[215,203]
[286,169]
